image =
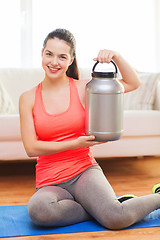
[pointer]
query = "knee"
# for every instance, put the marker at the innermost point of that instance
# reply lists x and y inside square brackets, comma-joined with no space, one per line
[118,221]
[44,207]
[113,223]
[38,211]
[42,210]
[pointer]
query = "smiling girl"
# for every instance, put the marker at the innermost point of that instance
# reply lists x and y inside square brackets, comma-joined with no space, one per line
[70,185]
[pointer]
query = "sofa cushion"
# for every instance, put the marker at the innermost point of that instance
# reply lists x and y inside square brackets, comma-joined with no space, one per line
[145,96]
[10,128]
[6,104]
[141,123]
[17,81]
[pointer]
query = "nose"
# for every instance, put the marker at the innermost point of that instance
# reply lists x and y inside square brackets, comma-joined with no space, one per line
[54,61]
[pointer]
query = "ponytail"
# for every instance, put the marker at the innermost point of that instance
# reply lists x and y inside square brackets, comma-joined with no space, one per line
[73,70]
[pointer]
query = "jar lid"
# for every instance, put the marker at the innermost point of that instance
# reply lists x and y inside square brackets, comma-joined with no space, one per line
[104,74]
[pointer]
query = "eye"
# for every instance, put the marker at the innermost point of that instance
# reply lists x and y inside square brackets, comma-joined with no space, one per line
[48,54]
[63,57]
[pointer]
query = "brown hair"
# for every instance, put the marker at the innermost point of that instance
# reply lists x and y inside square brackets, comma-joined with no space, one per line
[67,36]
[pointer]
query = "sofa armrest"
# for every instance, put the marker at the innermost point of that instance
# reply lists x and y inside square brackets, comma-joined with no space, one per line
[157,98]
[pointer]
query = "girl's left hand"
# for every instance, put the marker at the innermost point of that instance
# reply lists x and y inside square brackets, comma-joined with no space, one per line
[105,56]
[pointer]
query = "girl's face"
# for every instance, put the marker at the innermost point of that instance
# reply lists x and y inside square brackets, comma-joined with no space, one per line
[56,58]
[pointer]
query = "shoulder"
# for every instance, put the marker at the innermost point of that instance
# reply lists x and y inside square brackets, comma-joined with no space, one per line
[27,98]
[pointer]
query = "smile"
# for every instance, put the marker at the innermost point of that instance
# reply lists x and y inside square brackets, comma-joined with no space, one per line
[53,70]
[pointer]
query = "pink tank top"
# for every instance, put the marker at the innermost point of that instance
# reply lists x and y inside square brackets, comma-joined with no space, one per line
[66,126]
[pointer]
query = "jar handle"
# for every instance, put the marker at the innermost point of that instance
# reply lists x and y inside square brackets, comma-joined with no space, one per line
[110,61]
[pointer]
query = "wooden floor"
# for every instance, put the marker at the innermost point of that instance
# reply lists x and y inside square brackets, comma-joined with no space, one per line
[126,175]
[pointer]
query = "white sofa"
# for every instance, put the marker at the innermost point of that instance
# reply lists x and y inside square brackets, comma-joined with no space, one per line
[141,116]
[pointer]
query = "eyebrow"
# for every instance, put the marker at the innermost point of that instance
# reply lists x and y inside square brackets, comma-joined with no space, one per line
[48,51]
[62,54]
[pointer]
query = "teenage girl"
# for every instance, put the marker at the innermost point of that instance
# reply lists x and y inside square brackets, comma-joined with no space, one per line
[71,186]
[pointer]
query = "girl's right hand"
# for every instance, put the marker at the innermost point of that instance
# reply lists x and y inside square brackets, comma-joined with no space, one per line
[86,141]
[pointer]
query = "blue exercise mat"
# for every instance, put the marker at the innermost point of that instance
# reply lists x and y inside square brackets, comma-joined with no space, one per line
[14,221]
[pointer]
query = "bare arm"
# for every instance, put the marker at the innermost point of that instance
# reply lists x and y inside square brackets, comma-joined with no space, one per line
[35,147]
[130,79]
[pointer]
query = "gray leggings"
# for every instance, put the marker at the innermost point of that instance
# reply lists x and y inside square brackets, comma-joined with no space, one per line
[88,195]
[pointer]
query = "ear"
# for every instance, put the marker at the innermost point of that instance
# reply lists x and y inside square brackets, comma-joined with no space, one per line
[72,59]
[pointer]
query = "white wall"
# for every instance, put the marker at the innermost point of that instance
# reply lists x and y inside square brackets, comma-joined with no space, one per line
[131,27]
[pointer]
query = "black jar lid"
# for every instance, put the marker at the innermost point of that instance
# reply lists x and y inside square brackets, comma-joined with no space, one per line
[104,74]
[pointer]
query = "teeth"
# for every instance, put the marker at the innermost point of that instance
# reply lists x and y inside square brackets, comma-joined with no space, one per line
[54,69]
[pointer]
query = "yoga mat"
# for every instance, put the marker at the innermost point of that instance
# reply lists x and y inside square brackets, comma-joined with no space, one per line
[14,221]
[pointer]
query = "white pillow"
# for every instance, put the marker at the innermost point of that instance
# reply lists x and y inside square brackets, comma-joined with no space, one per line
[6,104]
[144,97]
